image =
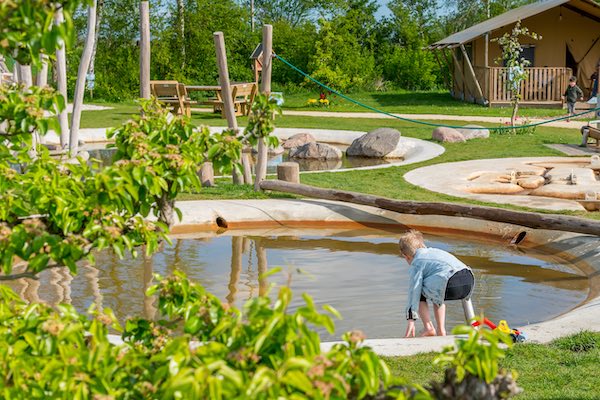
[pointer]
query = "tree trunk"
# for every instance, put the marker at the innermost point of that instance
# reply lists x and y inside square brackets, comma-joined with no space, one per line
[145,50]
[99,11]
[81,75]
[166,210]
[61,82]
[181,23]
[527,219]
[513,118]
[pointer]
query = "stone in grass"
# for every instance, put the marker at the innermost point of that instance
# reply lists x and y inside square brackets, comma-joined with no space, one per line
[316,151]
[380,143]
[449,135]
[298,140]
[479,133]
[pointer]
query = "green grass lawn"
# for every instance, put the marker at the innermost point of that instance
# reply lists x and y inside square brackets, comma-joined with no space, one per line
[566,369]
[408,102]
[388,182]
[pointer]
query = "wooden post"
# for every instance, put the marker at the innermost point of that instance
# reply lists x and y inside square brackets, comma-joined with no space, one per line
[207,174]
[261,257]
[265,88]
[61,82]
[528,219]
[41,79]
[25,76]
[236,267]
[145,49]
[228,107]
[288,172]
[81,74]
[472,72]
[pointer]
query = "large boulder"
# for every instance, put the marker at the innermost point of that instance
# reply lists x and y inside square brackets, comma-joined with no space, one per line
[316,151]
[299,139]
[479,133]
[377,144]
[444,134]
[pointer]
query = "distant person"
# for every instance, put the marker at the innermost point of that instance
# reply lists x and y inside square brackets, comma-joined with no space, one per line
[434,275]
[572,93]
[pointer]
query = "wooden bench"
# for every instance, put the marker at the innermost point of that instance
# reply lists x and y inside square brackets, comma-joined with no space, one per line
[592,132]
[173,94]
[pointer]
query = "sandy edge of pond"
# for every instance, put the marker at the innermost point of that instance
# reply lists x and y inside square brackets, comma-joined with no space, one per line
[583,251]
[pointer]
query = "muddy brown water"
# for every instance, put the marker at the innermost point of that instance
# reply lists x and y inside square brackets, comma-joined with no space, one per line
[358,272]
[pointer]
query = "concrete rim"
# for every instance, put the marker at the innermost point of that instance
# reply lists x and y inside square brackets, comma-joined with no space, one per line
[581,250]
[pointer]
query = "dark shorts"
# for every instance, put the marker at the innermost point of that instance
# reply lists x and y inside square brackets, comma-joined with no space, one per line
[459,286]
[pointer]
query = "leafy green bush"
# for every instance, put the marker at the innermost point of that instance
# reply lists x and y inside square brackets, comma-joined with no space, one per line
[218,352]
[472,367]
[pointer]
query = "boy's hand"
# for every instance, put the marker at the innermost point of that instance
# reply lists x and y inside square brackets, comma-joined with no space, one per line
[410,329]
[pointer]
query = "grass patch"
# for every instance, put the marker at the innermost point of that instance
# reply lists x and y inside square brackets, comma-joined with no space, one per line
[549,372]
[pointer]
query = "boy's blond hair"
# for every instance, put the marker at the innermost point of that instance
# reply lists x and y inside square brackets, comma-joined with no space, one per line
[411,241]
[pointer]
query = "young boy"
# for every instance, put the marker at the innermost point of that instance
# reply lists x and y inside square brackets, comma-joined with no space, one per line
[572,93]
[436,275]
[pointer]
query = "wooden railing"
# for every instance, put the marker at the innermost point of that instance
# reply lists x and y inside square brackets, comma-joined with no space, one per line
[544,84]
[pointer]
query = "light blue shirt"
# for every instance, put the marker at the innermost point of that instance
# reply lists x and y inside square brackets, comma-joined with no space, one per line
[428,274]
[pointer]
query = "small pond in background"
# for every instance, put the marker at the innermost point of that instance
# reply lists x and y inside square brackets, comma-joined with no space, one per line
[358,272]
[106,155]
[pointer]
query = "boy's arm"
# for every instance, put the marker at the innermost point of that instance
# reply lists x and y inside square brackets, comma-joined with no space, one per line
[415,285]
[579,92]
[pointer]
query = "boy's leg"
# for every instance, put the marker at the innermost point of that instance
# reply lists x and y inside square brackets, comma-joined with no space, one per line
[440,318]
[428,329]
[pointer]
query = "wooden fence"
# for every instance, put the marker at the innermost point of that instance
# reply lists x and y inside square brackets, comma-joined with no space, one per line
[543,85]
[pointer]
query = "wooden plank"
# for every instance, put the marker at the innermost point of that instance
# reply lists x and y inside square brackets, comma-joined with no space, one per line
[527,219]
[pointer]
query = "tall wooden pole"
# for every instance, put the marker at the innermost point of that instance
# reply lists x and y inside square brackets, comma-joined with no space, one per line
[228,106]
[265,88]
[61,82]
[41,79]
[81,75]
[145,49]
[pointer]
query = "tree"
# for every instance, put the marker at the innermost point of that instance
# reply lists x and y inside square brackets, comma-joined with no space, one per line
[55,214]
[344,50]
[515,64]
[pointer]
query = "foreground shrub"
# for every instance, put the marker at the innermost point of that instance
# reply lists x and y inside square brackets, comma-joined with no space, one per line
[201,348]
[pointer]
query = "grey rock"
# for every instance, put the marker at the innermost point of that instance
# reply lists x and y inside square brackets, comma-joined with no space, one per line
[377,144]
[450,135]
[482,132]
[298,140]
[316,151]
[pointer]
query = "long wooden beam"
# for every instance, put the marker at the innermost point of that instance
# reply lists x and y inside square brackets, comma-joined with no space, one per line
[472,72]
[446,81]
[458,68]
[527,219]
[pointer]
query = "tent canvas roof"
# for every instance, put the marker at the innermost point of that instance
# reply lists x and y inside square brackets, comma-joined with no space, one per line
[510,17]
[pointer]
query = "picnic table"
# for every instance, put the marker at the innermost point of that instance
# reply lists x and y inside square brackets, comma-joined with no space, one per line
[243,94]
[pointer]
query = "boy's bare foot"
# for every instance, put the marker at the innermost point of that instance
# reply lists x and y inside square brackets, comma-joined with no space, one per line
[427,332]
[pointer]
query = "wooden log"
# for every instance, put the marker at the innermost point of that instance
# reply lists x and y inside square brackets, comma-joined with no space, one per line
[527,219]
[41,79]
[207,174]
[228,106]
[144,49]
[288,172]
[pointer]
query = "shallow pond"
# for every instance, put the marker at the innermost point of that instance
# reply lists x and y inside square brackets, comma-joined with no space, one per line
[358,272]
[106,155]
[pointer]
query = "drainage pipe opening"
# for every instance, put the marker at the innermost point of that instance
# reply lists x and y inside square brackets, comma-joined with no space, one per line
[222,222]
